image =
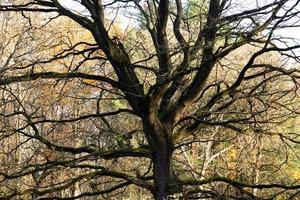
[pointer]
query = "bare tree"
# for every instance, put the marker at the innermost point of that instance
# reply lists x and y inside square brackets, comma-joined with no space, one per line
[100,110]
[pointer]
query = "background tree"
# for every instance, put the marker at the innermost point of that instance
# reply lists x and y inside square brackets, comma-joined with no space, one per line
[167,105]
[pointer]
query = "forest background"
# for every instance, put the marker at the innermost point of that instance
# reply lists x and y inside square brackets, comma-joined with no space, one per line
[149,99]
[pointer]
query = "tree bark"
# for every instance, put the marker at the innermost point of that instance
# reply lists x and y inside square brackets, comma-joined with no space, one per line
[165,180]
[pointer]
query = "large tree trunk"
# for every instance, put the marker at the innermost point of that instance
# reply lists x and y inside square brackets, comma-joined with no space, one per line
[165,180]
[164,177]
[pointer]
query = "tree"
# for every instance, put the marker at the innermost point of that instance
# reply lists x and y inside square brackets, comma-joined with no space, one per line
[107,109]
